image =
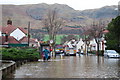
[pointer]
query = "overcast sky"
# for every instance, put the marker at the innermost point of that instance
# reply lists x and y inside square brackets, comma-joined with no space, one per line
[76,4]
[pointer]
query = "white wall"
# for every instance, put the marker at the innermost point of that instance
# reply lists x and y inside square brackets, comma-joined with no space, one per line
[17,34]
[94,45]
[92,42]
[80,43]
[0,33]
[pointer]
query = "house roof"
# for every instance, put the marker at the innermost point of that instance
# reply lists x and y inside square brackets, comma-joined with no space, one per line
[23,30]
[25,39]
[11,40]
[0,28]
[10,28]
[106,31]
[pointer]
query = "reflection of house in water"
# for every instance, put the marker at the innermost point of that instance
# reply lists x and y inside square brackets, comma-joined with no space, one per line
[15,36]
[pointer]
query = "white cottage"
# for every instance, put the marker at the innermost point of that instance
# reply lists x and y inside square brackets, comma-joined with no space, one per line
[80,45]
[92,46]
[83,47]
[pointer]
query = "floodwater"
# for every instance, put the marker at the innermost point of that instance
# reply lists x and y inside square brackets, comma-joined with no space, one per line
[70,67]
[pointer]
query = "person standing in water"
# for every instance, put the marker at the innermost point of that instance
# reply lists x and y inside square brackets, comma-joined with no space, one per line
[79,52]
[46,54]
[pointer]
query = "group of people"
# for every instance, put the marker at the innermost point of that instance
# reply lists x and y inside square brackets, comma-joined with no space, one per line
[46,54]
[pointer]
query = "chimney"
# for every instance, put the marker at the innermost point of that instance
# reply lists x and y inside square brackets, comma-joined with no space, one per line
[9,22]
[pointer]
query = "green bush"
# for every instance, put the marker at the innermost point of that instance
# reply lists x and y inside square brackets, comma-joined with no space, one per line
[17,54]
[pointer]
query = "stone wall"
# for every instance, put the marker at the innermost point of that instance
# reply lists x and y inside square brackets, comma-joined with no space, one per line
[7,69]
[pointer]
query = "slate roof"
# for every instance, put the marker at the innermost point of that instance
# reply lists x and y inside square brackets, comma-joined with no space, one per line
[11,40]
[105,31]
[10,28]
[25,39]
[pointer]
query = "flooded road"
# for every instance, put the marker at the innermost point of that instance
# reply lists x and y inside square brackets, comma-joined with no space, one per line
[70,67]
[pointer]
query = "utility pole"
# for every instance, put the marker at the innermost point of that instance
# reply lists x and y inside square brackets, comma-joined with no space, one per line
[28,33]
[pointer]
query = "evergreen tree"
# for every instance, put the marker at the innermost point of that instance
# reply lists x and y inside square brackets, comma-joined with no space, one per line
[113,37]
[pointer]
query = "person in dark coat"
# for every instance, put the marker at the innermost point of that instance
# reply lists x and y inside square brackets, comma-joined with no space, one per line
[79,51]
[46,54]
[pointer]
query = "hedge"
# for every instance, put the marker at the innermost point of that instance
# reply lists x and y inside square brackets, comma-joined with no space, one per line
[17,54]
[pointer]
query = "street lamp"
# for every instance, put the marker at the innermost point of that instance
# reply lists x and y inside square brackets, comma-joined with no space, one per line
[51,42]
[87,43]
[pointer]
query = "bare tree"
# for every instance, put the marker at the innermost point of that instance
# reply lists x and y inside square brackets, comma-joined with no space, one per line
[68,38]
[96,32]
[53,24]
[86,37]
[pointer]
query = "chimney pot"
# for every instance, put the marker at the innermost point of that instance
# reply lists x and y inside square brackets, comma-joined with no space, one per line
[9,22]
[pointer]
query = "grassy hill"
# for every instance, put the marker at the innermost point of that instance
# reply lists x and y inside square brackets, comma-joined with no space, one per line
[58,38]
[35,13]
[21,14]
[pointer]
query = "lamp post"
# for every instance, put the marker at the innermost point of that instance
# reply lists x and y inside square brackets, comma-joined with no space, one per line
[28,33]
[87,43]
[102,40]
[51,43]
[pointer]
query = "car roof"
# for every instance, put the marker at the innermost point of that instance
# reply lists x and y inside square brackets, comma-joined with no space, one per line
[110,50]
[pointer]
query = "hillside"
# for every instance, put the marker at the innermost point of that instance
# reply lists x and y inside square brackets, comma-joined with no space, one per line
[21,14]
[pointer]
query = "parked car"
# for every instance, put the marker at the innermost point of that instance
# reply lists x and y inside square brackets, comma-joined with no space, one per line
[57,51]
[111,54]
[70,52]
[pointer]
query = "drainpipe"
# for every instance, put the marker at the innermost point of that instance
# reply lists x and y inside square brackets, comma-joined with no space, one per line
[103,45]
[28,33]
[6,37]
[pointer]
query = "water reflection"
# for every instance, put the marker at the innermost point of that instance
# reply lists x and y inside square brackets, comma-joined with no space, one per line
[70,67]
